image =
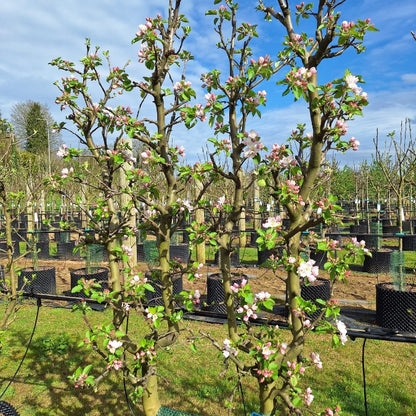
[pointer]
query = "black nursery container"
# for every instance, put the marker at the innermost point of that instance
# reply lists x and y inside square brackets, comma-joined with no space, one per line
[6,409]
[320,289]
[180,252]
[396,309]
[378,263]
[155,298]
[216,294]
[42,280]
[99,274]
[409,242]
[320,257]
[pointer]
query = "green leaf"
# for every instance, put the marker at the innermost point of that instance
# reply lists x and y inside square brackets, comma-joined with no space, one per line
[261,182]
[268,304]
[311,87]
[251,73]
[297,92]
[76,289]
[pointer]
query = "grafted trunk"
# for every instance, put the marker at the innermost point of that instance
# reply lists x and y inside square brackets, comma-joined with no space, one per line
[151,402]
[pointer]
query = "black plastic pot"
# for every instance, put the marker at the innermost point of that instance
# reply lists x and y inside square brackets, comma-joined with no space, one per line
[43,250]
[66,251]
[378,263]
[64,236]
[42,280]
[180,252]
[390,229]
[358,229]
[263,255]
[216,294]
[319,289]
[99,274]
[7,409]
[155,298]
[409,242]
[3,249]
[395,309]
[320,257]
[140,253]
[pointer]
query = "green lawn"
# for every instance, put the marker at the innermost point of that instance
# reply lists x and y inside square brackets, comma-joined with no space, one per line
[191,381]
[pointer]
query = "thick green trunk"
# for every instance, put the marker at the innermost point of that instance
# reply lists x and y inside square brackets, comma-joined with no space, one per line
[293,291]
[151,402]
[266,396]
[226,275]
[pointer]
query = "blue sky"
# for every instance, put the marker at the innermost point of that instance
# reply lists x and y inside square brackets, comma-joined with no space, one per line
[32,33]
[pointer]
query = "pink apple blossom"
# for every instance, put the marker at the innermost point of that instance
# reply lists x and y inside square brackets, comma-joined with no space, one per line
[308,270]
[65,172]
[273,222]
[227,349]
[150,316]
[351,82]
[262,296]
[316,360]
[62,151]
[342,331]
[308,396]
[254,146]
[113,345]
[354,143]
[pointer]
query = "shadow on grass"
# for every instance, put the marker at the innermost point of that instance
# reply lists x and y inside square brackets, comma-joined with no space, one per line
[42,387]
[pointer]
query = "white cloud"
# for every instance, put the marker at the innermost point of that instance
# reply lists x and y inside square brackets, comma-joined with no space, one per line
[409,78]
[34,32]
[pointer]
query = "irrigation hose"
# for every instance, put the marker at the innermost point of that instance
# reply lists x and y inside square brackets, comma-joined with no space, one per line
[124,377]
[240,385]
[39,304]
[364,382]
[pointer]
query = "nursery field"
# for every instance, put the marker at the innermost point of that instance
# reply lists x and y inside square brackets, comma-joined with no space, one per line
[359,290]
[42,386]
[199,384]
[192,382]
[124,180]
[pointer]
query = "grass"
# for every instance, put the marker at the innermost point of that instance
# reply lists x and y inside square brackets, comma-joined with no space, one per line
[191,382]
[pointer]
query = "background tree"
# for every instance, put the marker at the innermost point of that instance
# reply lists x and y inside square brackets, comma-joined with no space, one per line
[342,182]
[397,161]
[32,123]
[10,199]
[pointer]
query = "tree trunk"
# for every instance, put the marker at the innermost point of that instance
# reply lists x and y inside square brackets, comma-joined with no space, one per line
[151,402]
[266,397]
[125,201]
[256,205]
[293,291]
[11,306]
[242,229]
